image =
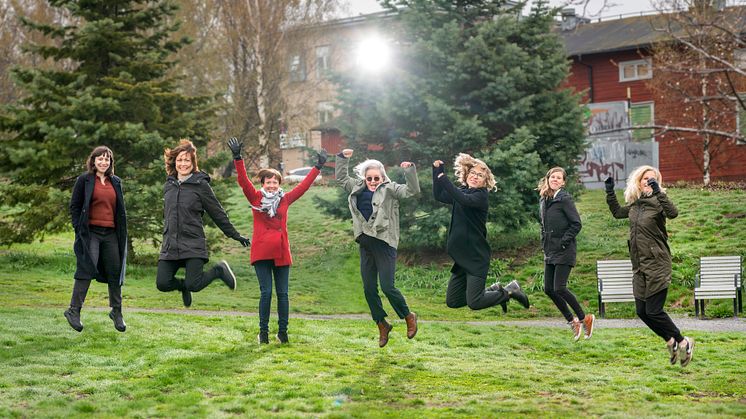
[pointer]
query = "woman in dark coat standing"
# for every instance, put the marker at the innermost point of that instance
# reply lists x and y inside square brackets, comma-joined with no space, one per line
[270,254]
[467,236]
[647,208]
[100,223]
[560,224]
[187,195]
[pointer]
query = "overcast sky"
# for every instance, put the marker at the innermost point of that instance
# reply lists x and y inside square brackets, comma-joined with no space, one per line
[614,7]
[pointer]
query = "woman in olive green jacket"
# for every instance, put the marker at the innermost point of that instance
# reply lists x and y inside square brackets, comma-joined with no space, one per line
[647,208]
[374,205]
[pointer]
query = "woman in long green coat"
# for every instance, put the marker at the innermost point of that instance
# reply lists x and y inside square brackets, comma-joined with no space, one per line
[647,208]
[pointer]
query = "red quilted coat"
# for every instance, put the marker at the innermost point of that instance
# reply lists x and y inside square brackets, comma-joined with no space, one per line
[270,238]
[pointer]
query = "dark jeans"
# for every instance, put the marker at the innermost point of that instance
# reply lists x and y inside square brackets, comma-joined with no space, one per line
[650,311]
[265,269]
[378,262]
[555,286]
[104,246]
[466,289]
[194,278]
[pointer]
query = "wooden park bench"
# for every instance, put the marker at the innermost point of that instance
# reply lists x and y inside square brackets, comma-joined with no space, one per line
[719,278]
[614,282]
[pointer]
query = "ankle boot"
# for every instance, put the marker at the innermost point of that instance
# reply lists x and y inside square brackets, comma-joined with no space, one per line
[411,320]
[383,333]
[515,292]
[497,287]
[72,315]
[116,315]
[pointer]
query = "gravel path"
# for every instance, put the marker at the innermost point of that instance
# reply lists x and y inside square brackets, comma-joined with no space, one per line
[729,324]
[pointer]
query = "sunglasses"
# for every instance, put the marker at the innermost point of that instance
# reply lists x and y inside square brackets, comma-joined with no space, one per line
[373,178]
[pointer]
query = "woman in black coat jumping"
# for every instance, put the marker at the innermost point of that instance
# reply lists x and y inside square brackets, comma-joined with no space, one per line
[467,236]
[560,224]
[100,223]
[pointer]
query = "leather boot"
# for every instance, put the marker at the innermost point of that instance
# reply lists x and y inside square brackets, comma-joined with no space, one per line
[497,287]
[411,320]
[383,333]
[72,315]
[116,315]
[515,292]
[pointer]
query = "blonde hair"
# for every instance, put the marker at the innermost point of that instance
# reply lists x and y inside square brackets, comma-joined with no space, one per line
[363,167]
[464,163]
[543,187]
[633,191]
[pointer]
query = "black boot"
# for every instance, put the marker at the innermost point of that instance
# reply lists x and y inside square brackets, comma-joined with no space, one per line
[497,287]
[72,315]
[116,315]
[515,292]
[226,274]
[186,297]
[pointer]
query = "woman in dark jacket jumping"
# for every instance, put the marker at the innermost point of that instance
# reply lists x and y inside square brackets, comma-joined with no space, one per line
[186,196]
[647,208]
[467,236]
[560,223]
[100,223]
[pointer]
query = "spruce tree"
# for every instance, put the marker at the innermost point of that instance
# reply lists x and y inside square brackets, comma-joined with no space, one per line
[111,87]
[473,77]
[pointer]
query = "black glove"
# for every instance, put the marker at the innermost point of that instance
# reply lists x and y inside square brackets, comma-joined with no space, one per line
[321,155]
[438,170]
[244,241]
[235,147]
[609,183]
[654,185]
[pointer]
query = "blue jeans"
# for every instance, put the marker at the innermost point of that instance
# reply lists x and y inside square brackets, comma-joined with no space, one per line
[264,271]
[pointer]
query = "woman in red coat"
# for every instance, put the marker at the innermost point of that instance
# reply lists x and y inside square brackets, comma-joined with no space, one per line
[270,250]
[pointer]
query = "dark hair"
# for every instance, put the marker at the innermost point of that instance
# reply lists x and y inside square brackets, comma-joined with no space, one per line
[169,156]
[269,173]
[101,150]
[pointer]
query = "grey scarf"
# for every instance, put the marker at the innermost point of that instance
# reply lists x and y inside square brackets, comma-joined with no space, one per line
[270,201]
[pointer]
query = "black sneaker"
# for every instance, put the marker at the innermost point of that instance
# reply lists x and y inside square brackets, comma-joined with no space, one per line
[226,274]
[73,317]
[186,297]
[282,337]
[263,337]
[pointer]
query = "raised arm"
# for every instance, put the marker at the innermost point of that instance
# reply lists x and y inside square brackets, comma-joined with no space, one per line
[412,187]
[302,187]
[341,170]
[617,211]
[438,193]
[243,179]
[669,209]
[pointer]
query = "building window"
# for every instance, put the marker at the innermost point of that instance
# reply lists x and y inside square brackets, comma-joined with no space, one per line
[297,68]
[635,70]
[324,112]
[641,114]
[739,58]
[323,61]
[292,140]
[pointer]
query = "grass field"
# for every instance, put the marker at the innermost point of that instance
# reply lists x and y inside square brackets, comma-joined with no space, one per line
[183,365]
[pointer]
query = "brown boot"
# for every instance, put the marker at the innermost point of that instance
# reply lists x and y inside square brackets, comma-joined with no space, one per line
[383,333]
[411,320]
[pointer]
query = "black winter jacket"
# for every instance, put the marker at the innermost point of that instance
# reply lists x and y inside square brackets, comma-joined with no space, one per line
[183,207]
[80,204]
[648,241]
[560,224]
[467,235]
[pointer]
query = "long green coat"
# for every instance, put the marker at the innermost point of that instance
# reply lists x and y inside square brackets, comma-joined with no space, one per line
[648,241]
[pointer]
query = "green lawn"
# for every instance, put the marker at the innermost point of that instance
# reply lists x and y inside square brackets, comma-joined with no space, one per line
[172,365]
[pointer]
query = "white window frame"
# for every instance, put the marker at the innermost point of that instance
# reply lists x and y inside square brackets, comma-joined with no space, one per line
[323,60]
[297,68]
[636,64]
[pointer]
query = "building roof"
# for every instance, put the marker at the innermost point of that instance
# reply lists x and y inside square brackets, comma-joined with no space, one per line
[628,33]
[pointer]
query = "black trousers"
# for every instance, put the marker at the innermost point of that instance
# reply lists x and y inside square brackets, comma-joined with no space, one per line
[555,286]
[194,278]
[378,261]
[465,289]
[650,311]
[103,247]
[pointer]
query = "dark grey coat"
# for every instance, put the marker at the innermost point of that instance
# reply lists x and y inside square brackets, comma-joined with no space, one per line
[80,204]
[560,224]
[648,241]
[467,235]
[183,207]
